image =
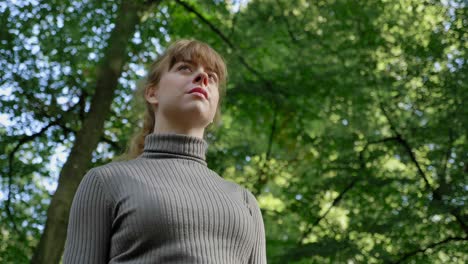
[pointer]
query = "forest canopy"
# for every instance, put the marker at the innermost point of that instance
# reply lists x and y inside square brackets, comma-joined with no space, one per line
[346,119]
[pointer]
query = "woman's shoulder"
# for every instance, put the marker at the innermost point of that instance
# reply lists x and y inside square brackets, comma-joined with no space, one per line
[114,169]
[248,196]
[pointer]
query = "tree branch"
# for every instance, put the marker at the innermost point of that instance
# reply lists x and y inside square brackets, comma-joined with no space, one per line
[334,203]
[11,157]
[436,193]
[39,108]
[263,175]
[433,245]
[407,147]
[337,200]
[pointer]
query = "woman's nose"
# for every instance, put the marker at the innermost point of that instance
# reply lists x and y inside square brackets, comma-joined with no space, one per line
[201,78]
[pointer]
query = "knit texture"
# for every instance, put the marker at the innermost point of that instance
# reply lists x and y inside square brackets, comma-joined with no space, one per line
[166,206]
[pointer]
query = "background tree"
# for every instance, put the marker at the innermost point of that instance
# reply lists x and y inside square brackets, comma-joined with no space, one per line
[345,118]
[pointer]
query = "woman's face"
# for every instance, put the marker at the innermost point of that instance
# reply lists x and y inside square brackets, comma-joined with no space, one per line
[176,101]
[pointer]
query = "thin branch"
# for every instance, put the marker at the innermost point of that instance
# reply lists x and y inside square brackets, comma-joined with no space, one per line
[39,106]
[337,200]
[263,176]
[334,203]
[433,245]
[272,131]
[11,157]
[407,147]
[109,141]
[57,122]
[437,195]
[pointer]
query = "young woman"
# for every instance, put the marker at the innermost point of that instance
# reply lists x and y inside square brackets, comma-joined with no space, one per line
[165,205]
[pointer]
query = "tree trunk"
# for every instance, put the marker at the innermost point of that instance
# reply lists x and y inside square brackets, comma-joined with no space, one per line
[52,242]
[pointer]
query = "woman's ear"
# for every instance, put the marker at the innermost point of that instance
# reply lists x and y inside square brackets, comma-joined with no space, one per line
[151,95]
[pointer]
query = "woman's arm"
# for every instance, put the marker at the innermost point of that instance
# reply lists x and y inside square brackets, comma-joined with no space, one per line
[88,234]
[258,255]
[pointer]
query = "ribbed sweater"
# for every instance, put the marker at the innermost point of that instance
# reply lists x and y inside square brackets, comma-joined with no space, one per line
[165,206]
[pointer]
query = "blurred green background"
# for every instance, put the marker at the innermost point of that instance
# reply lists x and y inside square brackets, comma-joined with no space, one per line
[346,118]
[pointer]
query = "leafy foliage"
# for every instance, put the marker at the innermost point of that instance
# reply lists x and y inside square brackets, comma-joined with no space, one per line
[345,118]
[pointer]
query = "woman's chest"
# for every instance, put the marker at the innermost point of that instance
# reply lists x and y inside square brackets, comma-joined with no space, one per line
[175,210]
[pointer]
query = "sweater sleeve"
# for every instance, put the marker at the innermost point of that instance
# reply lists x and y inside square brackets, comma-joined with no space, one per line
[258,255]
[88,233]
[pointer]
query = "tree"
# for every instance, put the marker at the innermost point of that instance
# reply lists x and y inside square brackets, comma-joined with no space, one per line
[345,118]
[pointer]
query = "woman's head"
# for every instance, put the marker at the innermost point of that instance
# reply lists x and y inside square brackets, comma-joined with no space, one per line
[185,65]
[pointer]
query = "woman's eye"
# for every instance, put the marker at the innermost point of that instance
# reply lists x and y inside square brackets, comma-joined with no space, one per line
[213,77]
[183,67]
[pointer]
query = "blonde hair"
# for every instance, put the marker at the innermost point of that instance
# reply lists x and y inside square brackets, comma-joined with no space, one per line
[181,50]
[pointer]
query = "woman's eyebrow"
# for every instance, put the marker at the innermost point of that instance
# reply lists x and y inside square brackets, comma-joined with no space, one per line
[196,64]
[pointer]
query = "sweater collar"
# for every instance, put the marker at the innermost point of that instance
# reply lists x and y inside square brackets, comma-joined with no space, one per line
[171,145]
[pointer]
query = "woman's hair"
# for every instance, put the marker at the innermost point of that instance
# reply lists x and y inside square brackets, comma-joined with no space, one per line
[181,50]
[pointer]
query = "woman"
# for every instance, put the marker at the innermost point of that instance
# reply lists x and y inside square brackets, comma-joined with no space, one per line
[165,205]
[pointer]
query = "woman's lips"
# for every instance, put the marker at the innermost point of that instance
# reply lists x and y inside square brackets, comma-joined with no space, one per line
[200,91]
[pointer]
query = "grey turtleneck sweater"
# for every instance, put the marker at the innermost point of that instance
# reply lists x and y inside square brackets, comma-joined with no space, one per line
[166,206]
